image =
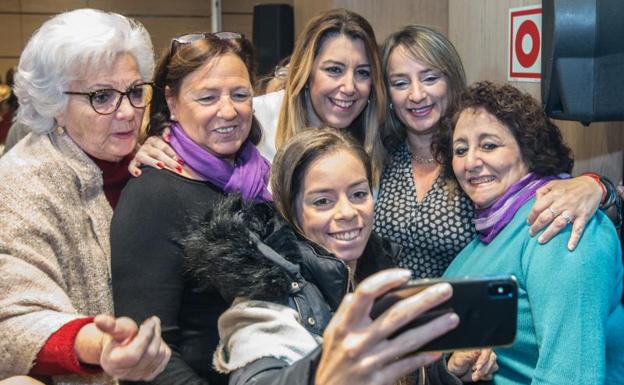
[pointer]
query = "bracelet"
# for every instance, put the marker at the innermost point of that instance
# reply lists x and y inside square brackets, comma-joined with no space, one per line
[598,180]
[611,196]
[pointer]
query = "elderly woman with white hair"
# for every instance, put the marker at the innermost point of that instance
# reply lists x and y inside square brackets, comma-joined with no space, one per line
[83,84]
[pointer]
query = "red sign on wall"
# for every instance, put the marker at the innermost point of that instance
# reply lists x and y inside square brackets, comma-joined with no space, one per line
[525,43]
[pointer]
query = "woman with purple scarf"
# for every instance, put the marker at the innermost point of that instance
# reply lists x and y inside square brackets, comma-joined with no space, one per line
[203,92]
[501,147]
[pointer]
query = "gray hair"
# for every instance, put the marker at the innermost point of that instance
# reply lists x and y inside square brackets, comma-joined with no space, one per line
[67,47]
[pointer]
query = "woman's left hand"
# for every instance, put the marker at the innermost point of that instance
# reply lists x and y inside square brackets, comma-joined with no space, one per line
[129,352]
[473,365]
[561,202]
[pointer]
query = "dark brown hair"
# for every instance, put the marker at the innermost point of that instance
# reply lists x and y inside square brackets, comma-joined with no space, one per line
[293,159]
[179,60]
[539,139]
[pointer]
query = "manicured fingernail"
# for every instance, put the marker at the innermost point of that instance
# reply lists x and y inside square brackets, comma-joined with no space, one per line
[179,169]
[137,173]
[453,319]
[444,288]
[540,240]
[180,161]
[160,165]
[167,137]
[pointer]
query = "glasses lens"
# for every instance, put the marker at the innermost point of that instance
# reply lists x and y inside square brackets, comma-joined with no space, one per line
[140,95]
[105,101]
[228,35]
[189,38]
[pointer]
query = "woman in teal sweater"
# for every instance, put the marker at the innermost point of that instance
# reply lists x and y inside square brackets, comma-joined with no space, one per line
[502,148]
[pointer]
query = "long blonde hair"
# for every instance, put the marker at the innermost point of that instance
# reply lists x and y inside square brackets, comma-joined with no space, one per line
[293,117]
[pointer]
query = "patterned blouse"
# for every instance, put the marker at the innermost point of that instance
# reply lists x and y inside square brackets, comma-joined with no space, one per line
[431,232]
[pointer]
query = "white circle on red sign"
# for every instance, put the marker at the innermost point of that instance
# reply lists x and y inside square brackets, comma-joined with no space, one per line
[528,29]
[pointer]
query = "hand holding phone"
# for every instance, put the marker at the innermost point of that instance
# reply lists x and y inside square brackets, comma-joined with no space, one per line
[357,350]
[487,310]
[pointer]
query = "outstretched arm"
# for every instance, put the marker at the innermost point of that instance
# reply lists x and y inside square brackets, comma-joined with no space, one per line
[123,349]
[356,349]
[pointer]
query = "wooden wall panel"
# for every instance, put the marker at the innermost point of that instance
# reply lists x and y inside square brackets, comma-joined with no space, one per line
[188,8]
[246,6]
[30,23]
[162,29]
[390,15]
[306,9]
[10,6]
[242,23]
[50,6]
[385,16]
[479,30]
[238,14]
[11,42]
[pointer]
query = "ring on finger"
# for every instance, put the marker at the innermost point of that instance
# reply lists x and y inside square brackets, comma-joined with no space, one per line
[568,218]
[553,212]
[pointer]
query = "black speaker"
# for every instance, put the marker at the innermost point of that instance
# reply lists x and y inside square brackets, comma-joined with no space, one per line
[583,59]
[273,34]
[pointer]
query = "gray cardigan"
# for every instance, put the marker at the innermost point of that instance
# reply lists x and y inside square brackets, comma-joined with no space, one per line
[54,248]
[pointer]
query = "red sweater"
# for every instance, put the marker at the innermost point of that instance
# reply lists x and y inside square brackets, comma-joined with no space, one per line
[57,356]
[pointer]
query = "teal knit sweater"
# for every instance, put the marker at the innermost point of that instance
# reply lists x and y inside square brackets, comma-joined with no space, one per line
[570,318]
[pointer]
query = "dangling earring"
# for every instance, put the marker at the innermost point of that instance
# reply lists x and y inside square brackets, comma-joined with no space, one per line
[60,130]
[391,107]
[172,117]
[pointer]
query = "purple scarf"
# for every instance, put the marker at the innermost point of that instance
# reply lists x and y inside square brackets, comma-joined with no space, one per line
[491,220]
[249,176]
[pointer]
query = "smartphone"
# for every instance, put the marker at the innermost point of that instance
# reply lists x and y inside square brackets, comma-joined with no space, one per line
[487,308]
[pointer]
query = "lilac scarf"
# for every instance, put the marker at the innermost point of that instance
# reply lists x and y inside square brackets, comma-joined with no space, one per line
[249,176]
[491,220]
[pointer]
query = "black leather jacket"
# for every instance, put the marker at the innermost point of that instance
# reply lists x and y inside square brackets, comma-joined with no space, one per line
[250,251]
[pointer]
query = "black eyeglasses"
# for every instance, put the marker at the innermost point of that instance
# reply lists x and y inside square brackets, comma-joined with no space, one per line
[107,100]
[190,38]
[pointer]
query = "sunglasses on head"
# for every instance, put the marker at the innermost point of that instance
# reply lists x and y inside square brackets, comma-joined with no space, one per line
[190,38]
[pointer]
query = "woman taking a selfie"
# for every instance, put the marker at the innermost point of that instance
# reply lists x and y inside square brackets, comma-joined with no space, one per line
[288,271]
